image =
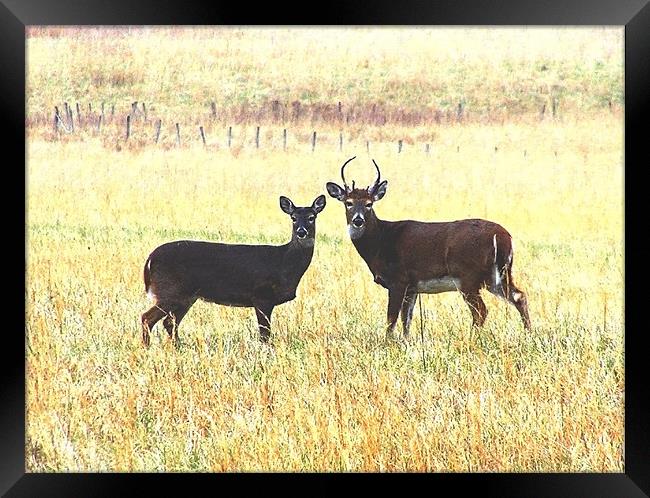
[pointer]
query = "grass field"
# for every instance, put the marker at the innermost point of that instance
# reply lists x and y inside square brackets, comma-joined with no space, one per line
[329,394]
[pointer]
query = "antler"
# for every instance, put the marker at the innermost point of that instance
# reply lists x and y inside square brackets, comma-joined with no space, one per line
[378,177]
[342,175]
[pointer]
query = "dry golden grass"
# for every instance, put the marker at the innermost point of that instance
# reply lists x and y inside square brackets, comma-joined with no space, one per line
[329,394]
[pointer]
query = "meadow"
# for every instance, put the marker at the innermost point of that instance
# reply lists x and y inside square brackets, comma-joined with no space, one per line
[329,393]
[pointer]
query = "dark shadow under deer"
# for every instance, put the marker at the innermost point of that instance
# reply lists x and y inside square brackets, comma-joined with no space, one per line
[177,274]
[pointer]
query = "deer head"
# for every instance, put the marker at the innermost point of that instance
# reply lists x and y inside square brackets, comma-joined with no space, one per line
[358,201]
[304,218]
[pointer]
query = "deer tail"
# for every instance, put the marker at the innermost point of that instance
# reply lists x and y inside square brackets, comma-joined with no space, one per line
[503,253]
[147,275]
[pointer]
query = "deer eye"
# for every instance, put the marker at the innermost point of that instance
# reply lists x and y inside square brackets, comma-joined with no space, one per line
[293,217]
[348,204]
[311,218]
[368,205]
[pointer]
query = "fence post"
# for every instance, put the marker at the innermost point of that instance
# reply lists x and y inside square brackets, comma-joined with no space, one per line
[158,124]
[56,120]
[214,110]
[202,134]
[178,134]
[340,141]
[78,115]
[229,136]
[426,149]
[99,123]
[128,126]
[144,111]
[313,142]
[399,146]
[284,139]
[257,137]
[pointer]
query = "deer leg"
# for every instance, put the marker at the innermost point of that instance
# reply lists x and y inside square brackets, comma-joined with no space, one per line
[173,320]
[149,319]
[407,312]
[395,300]
[476,306]
[263,313]
[520,301]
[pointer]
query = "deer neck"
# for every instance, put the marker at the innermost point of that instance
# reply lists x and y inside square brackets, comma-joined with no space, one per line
[369,243]
[298,253]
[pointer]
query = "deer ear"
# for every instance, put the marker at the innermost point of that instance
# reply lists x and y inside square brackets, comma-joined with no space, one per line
[335,191]
[319,204]
[286,205]
[380,191]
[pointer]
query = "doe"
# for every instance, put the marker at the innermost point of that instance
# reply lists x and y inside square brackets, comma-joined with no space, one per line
[176,274]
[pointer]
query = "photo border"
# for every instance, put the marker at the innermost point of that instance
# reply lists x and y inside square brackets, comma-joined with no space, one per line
[15,15]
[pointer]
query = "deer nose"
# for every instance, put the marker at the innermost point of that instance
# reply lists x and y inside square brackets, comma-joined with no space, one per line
[301,233]
[357,221]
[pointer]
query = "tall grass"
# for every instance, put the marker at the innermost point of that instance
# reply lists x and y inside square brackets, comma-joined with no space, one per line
[329,394]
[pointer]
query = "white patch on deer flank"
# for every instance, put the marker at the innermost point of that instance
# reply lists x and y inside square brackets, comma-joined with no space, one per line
[494,242]
[151,295]
[436,285]
[516,296]
[149,265]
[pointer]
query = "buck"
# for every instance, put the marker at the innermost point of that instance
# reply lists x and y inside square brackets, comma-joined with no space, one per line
[412,257]
[178,273]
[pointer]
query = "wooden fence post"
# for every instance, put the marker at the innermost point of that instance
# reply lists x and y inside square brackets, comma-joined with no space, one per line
[202,134]
[56,120]
[178,135]
[284,139]
[340,141]
[257,137]
[69,117]
[229,136]
[313,142]
[128,126]
[158,125]
[399,146]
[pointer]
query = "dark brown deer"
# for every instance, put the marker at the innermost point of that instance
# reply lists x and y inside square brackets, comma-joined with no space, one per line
[178,273]
[411,257]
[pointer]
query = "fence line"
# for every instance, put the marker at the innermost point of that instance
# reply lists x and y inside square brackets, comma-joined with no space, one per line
[98,122]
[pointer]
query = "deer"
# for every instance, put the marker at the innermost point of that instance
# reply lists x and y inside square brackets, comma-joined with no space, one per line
[177,274]
[412,257]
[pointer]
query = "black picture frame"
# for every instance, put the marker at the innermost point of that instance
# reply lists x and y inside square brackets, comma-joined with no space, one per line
[15,15]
